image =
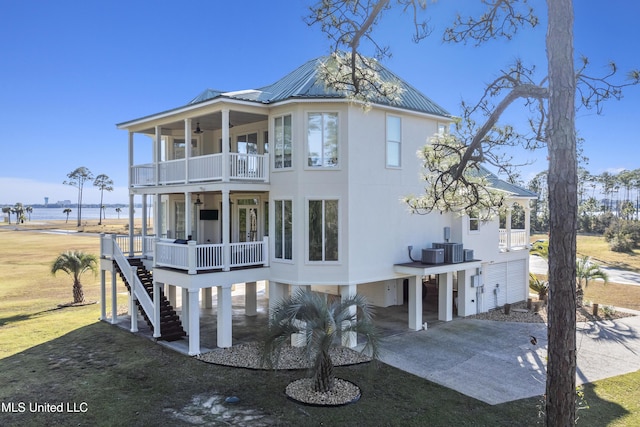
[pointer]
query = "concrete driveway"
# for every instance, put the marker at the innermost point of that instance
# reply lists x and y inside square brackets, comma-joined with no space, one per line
[624,277]
[495,362]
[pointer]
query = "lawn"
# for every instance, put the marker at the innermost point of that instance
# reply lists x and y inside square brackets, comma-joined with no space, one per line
[55,355]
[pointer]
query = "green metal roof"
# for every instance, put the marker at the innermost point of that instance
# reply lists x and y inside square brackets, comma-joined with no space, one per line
[304,83]
[505,186]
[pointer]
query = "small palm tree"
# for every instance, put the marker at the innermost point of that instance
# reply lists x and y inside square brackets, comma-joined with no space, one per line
[118,210]
[67,211]
[541,287]
[586,271]
[320,319]
[75,263]
[7,210]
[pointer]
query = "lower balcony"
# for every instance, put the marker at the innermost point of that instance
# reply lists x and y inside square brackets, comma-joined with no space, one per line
[188,256]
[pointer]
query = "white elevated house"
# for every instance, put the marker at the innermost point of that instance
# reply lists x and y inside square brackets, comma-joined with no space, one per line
[295,185]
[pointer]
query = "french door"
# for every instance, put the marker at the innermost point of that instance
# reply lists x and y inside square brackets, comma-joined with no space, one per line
[247,220]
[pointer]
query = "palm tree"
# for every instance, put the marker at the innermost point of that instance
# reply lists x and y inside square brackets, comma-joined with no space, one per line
[7,210]
[75,263]
[118,210]
[586,271]
[320,319]
[104,183]
[18,209]
[29,210]
[77,178]
[67,211]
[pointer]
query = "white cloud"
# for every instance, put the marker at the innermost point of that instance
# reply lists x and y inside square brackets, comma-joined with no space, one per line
[31,192]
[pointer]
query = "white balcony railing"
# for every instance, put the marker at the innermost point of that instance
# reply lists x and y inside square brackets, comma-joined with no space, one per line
[516,239]
[191,256]
[241,167]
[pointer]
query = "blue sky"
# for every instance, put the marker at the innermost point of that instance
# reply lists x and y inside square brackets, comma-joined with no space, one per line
[71,70]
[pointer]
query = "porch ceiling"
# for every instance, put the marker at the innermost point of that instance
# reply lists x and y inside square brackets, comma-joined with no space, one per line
[212,121]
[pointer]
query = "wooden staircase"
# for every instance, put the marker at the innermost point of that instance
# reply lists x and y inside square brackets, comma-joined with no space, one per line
[170,324]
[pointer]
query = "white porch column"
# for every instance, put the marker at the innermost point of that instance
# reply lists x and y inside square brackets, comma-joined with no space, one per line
[187,215]
[445,296]
[349,339]
[103,294]
[131,224]
[144,224]
[194,323]
[226,225]
[508,227]
[297,340]
[527,224]
[156,309]
[415,303]
[277,292]
[224,316]
[114,295]
[130,175]
[250,299]
[185,310]
[157,149]
[133,309]
[187,148]
[225,145]
[207,298]
[171,295]
[157,216]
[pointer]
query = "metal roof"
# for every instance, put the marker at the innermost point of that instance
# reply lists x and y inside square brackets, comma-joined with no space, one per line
[499,184]
[304,83]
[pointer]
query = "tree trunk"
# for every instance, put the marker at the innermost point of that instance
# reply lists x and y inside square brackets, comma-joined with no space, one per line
[563,210]
[579,296]
[78,293]
[323,377]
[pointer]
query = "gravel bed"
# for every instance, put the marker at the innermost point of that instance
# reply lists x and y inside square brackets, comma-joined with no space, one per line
[520,313]
[250,356]
[343,392]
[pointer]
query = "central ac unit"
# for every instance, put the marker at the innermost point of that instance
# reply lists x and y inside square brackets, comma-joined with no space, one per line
[452,252]
[432,256]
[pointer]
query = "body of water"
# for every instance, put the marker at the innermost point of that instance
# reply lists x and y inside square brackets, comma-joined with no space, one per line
[57,214]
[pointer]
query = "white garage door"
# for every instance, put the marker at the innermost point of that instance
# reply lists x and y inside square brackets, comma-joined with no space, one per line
[517,281]
[495,281]
[504,282]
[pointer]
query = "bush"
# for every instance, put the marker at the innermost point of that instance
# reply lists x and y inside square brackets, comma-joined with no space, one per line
[623,236]
[621,243]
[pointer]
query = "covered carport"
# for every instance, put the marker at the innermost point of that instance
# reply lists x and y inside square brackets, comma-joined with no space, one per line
[466,299]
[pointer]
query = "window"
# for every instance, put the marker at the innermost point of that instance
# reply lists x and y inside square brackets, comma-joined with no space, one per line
[322,140]
[474,221]
[282,139]
[323,230]
[283,229]
[394,141]
[442,129]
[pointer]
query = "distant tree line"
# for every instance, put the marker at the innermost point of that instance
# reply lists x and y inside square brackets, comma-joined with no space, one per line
[77,178]
[609,204]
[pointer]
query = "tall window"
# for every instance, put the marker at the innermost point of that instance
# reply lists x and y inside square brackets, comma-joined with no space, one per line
[283,229]
[322,140]
[323,230]
[474,221]
[394,141]
[282,140]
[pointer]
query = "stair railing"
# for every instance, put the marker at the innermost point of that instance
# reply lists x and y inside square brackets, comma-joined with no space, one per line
[137,289]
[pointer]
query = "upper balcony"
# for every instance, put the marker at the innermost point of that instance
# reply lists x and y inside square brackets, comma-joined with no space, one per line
[202,169]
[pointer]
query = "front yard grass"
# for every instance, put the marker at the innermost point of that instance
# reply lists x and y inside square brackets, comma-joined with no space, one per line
[64,355]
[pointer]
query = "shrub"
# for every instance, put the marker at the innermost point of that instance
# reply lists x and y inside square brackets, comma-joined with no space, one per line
[541,287]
